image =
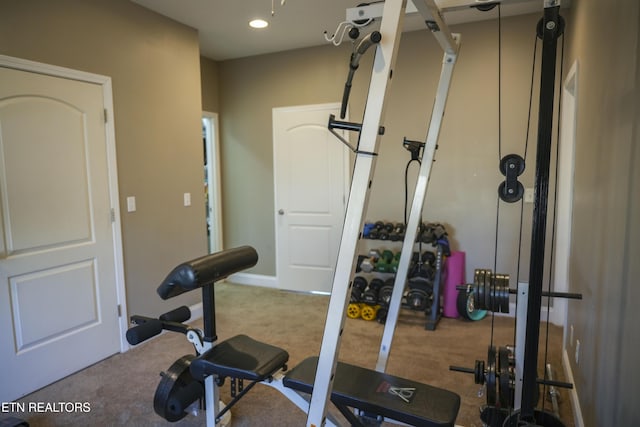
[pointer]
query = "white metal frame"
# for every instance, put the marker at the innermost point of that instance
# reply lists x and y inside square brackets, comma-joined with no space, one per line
[415,214]
[390,28]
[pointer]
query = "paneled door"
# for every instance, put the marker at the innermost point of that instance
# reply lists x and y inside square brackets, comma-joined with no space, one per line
[58,291]
[311,184]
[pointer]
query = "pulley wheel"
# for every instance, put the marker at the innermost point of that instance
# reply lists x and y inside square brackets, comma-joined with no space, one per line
[176,379]
[512,161]
[353,311]
[465,303]
[510,196]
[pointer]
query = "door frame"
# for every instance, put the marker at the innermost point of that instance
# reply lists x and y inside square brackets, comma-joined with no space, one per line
[564,208]
[110,139]
[212,153]
[345,185]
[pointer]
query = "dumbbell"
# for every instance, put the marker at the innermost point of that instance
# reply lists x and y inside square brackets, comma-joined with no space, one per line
[357,289]
[370,296]
[397,233]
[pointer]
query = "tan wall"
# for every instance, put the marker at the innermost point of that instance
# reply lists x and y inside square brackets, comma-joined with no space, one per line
[210,92]
[605,245]
[154,66]
[463,188]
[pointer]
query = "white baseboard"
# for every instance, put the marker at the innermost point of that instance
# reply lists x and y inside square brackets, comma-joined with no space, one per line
[575,403]
[254,280]
[196,312]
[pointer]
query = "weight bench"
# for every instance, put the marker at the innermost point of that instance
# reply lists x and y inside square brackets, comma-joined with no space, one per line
[242,358]
[380,394]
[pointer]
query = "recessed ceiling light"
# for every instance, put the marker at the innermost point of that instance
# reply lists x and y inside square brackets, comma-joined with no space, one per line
[258,23]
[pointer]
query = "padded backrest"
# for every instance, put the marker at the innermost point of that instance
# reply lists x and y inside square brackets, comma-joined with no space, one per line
[207,270]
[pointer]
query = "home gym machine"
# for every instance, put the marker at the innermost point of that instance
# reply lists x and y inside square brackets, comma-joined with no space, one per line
[392,13]
[353,390]
[510,374]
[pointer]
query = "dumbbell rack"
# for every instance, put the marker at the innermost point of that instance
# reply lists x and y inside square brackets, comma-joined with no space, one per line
[385,233]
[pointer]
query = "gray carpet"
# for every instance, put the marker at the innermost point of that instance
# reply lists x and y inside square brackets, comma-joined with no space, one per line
[120,389]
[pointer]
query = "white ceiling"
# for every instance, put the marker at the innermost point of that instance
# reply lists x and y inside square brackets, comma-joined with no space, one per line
[224,32]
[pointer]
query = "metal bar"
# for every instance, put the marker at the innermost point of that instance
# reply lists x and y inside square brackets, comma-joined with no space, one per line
[550,32]
[384,61]
[522,300]
[415,214]
[435,22]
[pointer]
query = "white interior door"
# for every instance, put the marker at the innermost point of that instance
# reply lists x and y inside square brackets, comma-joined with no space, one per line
[58,290]
[311,183]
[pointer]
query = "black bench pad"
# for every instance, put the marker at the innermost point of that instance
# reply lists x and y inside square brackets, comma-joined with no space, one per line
[240,357]
[381,394]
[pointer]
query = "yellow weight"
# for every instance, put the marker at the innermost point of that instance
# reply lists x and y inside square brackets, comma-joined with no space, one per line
[369,312]
[353,311]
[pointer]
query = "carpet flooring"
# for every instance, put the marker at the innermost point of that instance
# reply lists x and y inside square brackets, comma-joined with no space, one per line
[119,390]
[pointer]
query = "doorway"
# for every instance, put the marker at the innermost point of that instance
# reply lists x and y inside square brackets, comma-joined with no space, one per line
[311,185]
[566,162]
[60,243]
[210,138]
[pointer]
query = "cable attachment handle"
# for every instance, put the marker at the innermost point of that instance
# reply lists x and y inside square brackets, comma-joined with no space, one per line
[413,147]
[369,40]
[511,190]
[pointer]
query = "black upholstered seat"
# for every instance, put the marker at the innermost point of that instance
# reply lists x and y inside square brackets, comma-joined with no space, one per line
[240,357]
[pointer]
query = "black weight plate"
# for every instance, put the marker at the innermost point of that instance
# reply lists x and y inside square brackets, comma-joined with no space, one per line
[173,380]
[505,392]
[467,308]
[488,280]
[491,377]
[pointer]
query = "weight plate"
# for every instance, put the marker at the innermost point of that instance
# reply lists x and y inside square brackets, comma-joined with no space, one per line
[479,289]
[369,312]
[505,392]
[491,377]
[353,311]
[501,294]
[173,380]
[465,303]
[488,281]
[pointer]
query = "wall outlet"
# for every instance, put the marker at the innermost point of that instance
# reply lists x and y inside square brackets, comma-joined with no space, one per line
[131,204]
[528,195]
[577,351]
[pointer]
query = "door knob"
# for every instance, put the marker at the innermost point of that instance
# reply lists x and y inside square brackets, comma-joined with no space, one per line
[281,212]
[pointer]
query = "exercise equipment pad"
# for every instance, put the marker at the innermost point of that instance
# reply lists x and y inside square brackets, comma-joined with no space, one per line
[381,394]
[240,357]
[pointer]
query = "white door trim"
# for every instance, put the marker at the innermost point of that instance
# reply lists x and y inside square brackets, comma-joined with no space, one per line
[105,82]
[564,208]
[214,200]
